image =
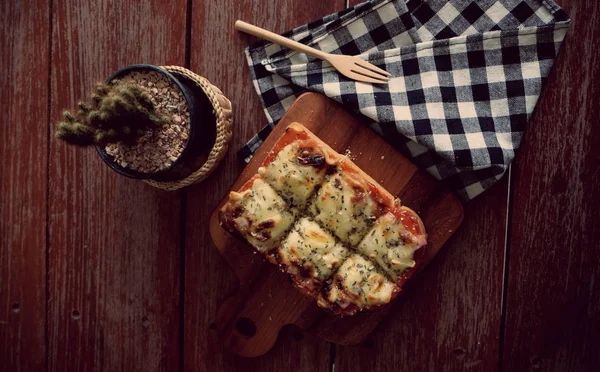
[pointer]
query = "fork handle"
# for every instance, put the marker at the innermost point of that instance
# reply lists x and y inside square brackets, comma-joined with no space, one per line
[278,39]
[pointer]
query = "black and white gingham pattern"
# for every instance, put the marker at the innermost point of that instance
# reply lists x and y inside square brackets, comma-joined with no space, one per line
[466,76]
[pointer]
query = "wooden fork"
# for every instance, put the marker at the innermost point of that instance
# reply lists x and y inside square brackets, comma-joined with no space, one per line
[350,66]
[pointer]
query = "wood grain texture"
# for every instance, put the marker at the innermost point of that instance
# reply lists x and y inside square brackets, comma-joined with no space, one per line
[114,242]
[217,54]
[266,296]
[553,300]
[23,183]
[114,259]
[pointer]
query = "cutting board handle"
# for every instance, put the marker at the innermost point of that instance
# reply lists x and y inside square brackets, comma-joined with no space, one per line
[250,321]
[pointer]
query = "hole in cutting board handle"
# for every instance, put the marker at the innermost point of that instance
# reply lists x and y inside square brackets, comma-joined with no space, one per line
[245,327]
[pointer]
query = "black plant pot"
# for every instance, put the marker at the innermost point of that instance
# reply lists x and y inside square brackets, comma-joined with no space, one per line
[200,138]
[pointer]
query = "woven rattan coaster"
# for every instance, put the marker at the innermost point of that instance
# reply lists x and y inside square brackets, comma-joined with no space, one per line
[223,115]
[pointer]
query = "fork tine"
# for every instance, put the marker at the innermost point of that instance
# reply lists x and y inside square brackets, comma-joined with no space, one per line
[373,68]
[369,73]
[367,76]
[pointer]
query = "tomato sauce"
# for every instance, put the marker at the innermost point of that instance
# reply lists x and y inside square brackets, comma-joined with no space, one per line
[288,137]
[408,219]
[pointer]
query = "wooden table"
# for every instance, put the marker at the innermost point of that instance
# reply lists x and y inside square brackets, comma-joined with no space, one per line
[99,272]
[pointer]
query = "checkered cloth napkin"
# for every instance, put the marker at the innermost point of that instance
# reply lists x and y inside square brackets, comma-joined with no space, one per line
[466,76]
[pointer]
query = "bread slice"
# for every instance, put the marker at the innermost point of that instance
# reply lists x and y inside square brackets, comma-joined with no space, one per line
[341,237]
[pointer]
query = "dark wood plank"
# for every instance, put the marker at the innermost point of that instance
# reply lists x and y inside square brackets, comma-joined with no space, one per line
[448,318]
[23,183]
[114,242]
[553,303]
[217,54]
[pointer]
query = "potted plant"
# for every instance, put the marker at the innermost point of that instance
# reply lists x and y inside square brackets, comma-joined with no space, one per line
[145,123]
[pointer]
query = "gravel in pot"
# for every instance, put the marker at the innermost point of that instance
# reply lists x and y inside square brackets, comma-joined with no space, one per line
[145,124]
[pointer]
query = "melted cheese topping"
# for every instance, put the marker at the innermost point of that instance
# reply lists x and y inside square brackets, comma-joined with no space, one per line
[295,172]
[348,205]
[345,207]
[264,216]
[312,249]
[391,245]
[358,282]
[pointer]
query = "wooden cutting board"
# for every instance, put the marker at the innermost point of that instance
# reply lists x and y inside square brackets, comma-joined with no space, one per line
[250,320]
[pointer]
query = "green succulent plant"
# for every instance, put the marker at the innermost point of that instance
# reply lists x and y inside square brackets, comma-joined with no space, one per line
[117,112]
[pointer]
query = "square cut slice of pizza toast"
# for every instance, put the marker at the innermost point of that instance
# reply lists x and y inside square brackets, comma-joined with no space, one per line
[341,237]
[257,215]
[349,202]
[297,164]
[310,255]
